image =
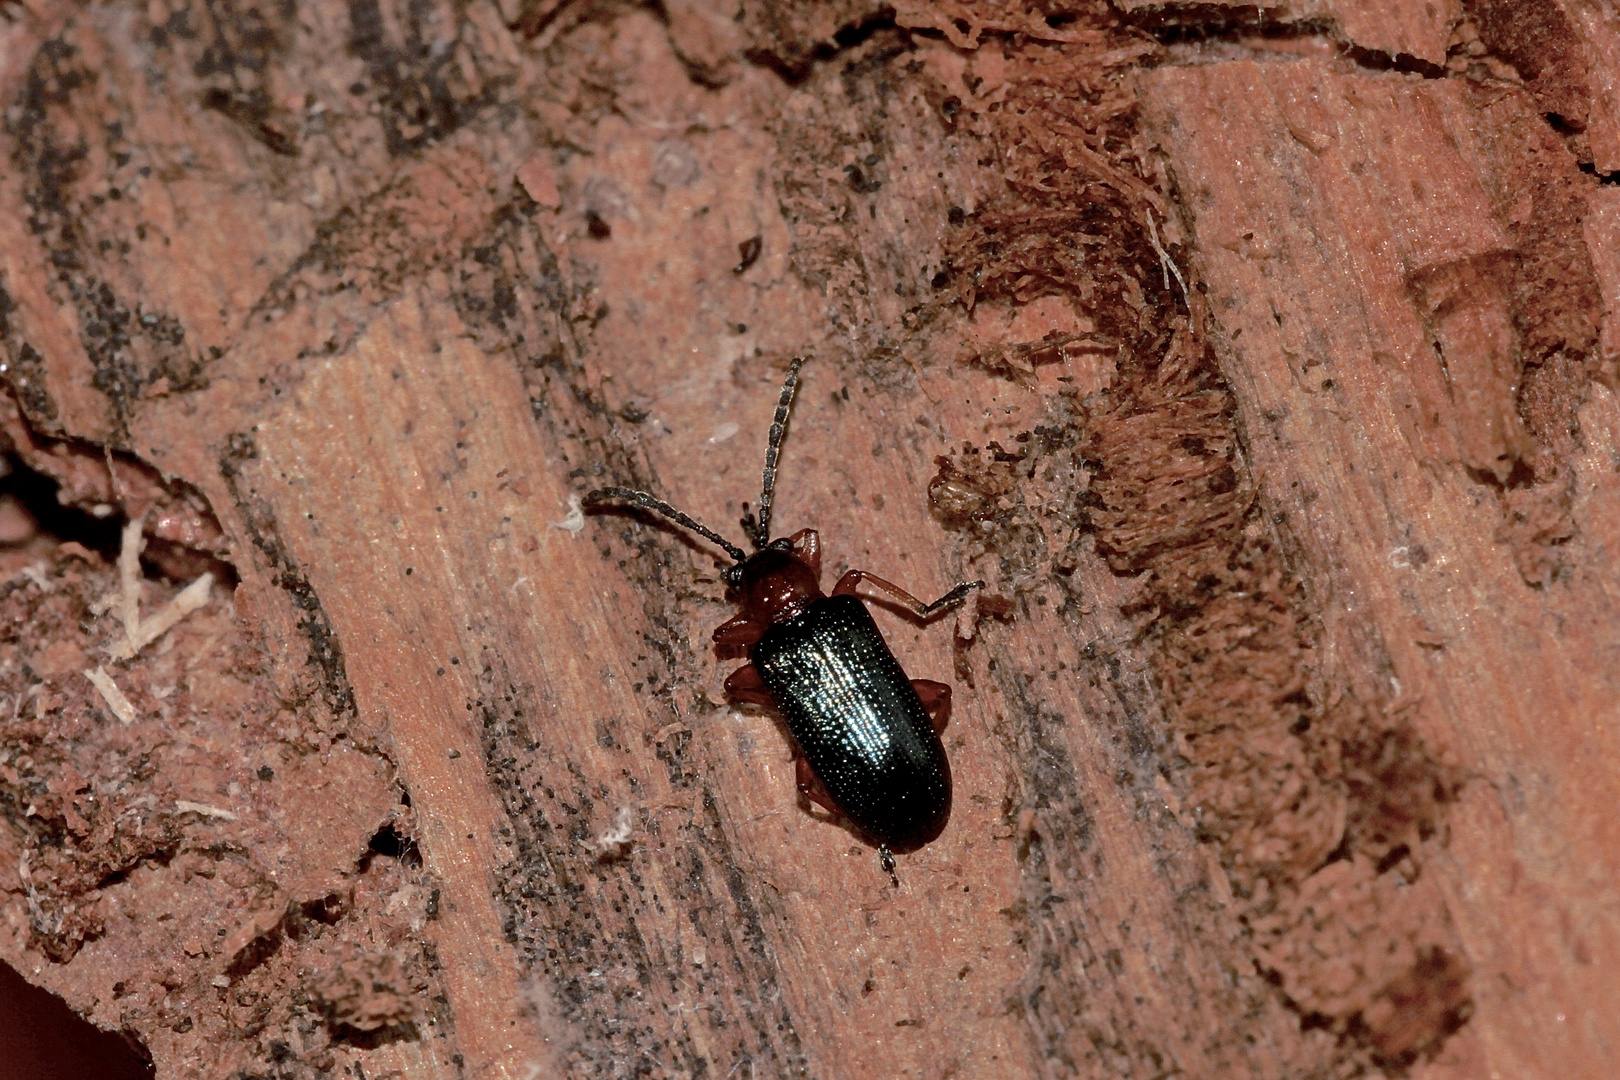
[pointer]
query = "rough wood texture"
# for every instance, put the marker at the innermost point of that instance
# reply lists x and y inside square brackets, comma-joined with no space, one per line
[1260,365]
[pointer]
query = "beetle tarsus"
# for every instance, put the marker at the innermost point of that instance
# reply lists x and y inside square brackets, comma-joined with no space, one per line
[956,595]
[886,857]
[847,584]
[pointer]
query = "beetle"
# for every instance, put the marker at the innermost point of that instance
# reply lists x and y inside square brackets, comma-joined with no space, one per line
[868,737]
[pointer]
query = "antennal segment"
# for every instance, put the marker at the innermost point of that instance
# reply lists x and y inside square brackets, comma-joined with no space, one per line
[760,533]
[649,502]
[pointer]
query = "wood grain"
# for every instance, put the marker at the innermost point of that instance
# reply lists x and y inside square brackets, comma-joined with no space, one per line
[1318,260]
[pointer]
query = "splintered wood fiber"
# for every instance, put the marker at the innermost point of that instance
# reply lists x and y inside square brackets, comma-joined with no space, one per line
[1276,777]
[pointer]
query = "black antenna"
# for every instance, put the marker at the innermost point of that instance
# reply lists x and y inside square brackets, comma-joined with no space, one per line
[648,502]
[760,533]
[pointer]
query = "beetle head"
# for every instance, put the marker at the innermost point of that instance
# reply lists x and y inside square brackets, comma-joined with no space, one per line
[773,583]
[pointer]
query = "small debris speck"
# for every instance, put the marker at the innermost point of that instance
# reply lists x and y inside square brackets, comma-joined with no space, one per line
[614,843]
[574,523]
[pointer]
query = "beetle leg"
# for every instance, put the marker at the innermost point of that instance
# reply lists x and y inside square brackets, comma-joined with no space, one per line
[936,698]
[740,631]
[846,587]
[745,685]
[807,546]
[810,785]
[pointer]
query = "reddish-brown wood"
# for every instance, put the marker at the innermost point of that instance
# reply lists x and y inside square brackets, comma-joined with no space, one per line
[1390,283]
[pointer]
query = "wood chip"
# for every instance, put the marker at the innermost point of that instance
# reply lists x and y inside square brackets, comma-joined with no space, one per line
[114,697]
[187,600]
[129,578]
[183,806]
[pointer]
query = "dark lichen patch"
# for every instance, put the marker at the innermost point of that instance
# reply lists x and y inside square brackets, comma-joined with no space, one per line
[24,370]
[135,353]
[511,290]
[242,45]
[240,42]
[51,164]
[75,166]
[105,329]
[56,74]
[89,170]
[252,110]
[25,374]
[429,81]
[427,217]
[839,185]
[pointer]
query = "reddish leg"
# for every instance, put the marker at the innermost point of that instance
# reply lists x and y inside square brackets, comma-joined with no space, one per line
[807,546]
[846,587]
[745,685]
[811,787]
[738,632]
[936,698]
